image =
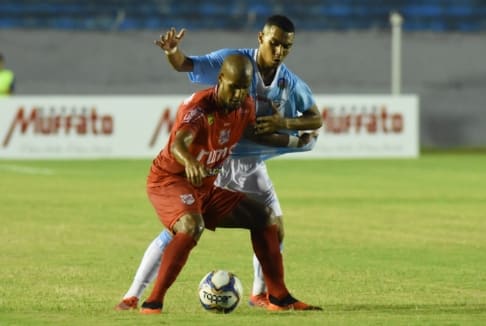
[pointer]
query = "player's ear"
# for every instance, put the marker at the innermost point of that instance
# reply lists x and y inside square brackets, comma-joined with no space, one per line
[260,37]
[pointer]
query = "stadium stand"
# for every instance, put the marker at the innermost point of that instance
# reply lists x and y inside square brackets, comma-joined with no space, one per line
[432,15]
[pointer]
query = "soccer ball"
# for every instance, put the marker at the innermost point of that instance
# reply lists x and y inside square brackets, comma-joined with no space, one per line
[220,291]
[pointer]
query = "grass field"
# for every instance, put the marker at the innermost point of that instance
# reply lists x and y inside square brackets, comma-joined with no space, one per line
[375,242]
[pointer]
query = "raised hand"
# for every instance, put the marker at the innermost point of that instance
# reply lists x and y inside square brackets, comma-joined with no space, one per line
[170,40]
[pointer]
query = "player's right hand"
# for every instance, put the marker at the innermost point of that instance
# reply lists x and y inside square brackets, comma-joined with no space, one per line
[195,173]
[270,123]
[170,39]
[306,137]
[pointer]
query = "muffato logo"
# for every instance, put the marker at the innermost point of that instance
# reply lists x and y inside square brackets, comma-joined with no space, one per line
[362,119]
[48,121]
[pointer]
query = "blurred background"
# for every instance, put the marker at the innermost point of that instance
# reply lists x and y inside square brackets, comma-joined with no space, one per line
[342,47]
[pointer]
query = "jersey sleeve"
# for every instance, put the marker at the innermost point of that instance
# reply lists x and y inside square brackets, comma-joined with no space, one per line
[302,96]
[206,67]
[191,119]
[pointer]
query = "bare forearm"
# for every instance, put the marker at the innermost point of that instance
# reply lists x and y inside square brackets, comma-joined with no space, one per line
[169,43]
[303,123]
[181,154]
[274,140]
[310,120]
[277,139]
[180,147]
[179,61]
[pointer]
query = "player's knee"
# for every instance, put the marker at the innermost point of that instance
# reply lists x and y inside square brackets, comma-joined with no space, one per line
[191,224]
[267,218]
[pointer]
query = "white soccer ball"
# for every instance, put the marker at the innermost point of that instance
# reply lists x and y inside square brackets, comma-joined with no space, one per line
[220,291]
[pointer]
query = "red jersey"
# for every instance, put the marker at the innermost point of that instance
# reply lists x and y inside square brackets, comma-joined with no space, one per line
[214,132]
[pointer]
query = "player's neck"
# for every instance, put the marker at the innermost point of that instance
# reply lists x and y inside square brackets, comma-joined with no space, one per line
[267,74]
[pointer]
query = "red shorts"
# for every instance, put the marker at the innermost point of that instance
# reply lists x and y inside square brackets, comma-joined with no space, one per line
[175,196]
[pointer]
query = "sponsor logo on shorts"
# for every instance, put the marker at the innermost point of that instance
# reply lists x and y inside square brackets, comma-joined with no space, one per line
[187,199]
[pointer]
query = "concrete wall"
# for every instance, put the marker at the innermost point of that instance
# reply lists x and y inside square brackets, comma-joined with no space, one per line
[447,71]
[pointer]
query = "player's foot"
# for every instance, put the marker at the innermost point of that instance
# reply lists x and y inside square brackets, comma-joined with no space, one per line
[127,304]
[149,308]
[259,300]
[288,303]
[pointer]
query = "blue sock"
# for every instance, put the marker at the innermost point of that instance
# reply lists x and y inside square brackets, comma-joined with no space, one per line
[164,238]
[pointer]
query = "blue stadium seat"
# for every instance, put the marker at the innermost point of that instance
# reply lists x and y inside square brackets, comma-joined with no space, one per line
[260,9]
[422,10]
[436,15]
[459,10]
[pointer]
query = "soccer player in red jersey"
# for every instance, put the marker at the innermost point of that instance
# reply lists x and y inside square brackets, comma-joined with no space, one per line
[284,104]
[181,187]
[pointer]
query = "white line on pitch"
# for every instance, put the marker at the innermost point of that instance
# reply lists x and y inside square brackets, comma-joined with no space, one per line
[26,169]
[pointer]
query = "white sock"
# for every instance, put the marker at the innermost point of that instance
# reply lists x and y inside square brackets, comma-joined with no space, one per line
[258,281]
[149,266]
[259,286]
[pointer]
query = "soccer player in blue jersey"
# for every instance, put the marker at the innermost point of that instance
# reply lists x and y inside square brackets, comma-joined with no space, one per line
[284,104]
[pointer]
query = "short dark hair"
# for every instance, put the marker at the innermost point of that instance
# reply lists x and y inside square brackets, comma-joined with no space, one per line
[282,22]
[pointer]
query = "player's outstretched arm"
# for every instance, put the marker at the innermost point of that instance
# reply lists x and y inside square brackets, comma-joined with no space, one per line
[309,120]
[169,42]
[278,140]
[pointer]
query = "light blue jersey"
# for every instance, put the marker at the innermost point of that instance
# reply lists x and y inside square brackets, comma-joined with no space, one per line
[288,92]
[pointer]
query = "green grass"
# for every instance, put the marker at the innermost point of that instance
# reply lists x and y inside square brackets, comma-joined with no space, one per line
[375,242]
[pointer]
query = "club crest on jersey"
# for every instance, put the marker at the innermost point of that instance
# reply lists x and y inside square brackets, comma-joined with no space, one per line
[282,83]
[187,199]
[224,136]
